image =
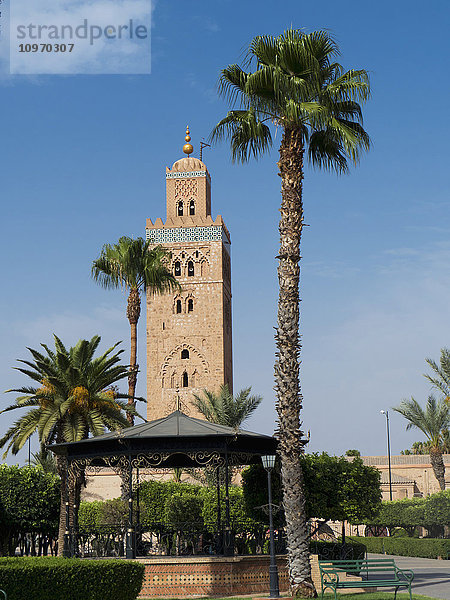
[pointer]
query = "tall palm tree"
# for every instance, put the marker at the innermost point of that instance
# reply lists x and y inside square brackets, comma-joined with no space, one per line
[224,408]
[433,422]
[75,397]
[297,86]
[132,265]
[441,377]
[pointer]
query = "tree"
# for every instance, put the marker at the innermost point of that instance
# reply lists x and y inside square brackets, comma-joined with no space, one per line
[134,266]
[441,378]
[335,489]
[224,408]
[29,502]
[75,398]
[353,452]
[297,86]
[432,512]
[46,460]
[424,447]
[433,421]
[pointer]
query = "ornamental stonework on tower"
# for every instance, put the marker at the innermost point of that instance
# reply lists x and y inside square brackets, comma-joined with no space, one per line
[189,337]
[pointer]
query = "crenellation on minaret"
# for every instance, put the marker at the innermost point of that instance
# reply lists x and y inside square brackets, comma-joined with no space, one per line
[189,334]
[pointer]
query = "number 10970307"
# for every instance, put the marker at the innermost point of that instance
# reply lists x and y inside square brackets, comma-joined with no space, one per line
[46,47]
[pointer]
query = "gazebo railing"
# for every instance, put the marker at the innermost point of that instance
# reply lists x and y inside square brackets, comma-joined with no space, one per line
[181,539]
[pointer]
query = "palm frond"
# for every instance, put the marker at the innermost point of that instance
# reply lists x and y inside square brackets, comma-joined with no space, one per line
[249,136]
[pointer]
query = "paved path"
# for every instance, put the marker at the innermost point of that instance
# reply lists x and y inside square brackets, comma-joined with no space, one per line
[431,577]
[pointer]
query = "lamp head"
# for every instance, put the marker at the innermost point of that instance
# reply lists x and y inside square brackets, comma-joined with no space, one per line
[268,461]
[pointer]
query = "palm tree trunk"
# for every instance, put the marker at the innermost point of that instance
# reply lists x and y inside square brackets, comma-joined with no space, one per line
[437,462]
[62,472]
[133,313]
[287,385]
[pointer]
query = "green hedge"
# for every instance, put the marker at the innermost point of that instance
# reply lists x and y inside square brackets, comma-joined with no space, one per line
[70,579]
[406,546]
[336,550]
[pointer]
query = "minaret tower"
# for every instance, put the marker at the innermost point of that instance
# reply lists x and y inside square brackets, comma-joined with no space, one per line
[189,345]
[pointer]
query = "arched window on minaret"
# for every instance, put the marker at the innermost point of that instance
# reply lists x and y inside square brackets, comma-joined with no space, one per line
[190,305]
[190,267]
[177,268]
[192,207]
[185,353]
[185,380]
[180,208]
[178,311]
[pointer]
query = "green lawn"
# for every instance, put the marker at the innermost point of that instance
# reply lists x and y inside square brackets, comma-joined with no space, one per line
[366,596]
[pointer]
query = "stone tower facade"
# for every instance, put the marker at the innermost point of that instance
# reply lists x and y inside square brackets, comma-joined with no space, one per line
[189,337]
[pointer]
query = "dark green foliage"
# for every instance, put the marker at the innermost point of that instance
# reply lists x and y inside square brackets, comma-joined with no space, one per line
[29,503]
[154,496]
[255,493]
[351,550]
[182,506]
[437,509]
[70,579]
[430,512]
[423,548]
[240,520]
[104,516]
[89,516]
[335,489]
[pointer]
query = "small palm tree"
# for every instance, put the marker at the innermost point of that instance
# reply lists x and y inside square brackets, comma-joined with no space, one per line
[46,460]
[433,422]
[75,397]
[224,408]
[441,378]
[132,265]
[295,86]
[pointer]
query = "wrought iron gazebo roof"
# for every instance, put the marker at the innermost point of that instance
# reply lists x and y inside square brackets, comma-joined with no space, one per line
[174,441]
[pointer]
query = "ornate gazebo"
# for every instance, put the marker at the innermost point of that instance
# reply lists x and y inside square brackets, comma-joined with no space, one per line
[174,441]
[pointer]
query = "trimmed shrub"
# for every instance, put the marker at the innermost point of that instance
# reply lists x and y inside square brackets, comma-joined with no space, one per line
[70,579]
[337,551]
[406,546]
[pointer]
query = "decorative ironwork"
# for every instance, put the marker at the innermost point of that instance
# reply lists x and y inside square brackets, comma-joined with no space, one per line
[240,458]
[153,459]
[94,465]
[206,458]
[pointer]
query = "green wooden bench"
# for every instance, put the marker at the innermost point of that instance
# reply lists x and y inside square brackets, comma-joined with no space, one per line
[375,572]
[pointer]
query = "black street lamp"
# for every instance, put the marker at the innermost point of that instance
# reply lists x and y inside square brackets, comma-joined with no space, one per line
[386,413]
[268,462]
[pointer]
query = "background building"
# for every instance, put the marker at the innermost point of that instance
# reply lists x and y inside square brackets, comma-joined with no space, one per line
[412,475]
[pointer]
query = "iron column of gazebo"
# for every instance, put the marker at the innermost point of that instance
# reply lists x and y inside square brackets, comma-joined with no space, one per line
[175,441]
[268,462]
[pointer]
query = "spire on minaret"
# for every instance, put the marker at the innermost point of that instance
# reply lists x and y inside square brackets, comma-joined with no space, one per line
[188,148]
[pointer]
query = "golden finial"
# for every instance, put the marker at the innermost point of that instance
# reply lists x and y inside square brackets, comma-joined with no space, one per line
[188,148]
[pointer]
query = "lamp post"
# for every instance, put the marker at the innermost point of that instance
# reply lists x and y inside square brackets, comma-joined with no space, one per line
[386,413]
[268,462]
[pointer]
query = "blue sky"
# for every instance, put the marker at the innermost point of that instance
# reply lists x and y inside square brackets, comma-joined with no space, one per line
[83,162]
